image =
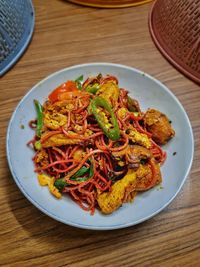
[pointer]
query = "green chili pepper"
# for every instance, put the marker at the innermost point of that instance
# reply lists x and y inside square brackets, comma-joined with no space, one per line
[112,133]
[61,183]
[39,111]
[92,88]
[79,173]
[91,171]
[79,81]
[82,179]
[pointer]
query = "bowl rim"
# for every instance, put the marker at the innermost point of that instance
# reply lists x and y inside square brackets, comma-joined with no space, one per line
[85,226]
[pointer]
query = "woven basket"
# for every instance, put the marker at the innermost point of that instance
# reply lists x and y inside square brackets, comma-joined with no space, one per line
[16,28]
[110,3]
[175,29]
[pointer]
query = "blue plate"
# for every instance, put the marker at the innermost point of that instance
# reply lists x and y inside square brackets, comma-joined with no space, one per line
[150,93]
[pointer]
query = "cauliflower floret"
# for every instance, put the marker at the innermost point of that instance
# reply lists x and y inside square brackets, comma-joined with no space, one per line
[88,133]
[63,106]
[78,127]
[108,91]
[110,201]
[144,176]
[122,112]
[158,124]
[59,140]
[46,180]
[78,154]
[139,138]
[55,120]
[42,158]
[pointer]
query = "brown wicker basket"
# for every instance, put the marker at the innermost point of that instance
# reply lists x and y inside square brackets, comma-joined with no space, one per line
[110,3]
[175,29]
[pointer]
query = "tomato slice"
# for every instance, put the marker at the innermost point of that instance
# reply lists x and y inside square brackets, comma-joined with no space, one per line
[67,88]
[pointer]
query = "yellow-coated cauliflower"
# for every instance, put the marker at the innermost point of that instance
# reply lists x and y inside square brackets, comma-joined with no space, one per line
[41,158]
[108,91]
[54,121]
[59,140]
[139,138]
[122,113]
[110,201]
[158,124]
[46,180]
[79,154]
[63,106]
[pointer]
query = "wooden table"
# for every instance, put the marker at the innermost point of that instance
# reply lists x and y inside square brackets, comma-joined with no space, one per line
[65,35]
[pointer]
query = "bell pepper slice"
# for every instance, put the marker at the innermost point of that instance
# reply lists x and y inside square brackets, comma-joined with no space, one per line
[113,133]
[80,173]
[39,111]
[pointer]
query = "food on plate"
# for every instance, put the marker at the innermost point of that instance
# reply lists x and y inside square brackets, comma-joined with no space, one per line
[159,125]
[93,143]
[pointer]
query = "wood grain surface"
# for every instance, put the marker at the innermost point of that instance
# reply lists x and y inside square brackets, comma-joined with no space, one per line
[67,34]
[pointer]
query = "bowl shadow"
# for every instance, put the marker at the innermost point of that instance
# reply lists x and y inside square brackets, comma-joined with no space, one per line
[38,224]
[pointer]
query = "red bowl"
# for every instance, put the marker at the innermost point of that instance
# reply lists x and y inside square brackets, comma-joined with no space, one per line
[175,28]
[110,3]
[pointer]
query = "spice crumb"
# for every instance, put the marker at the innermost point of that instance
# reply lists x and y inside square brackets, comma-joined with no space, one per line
[174,153]
[22,126]
[159,188]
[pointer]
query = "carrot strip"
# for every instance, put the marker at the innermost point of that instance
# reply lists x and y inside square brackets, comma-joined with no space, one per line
[54,163]
[49,134]
[123,146]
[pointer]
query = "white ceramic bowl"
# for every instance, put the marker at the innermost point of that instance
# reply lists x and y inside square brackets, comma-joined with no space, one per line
[150,93]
